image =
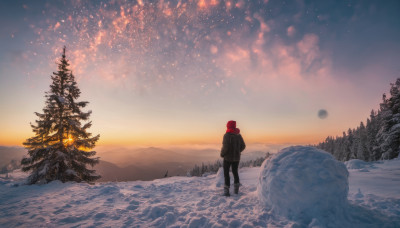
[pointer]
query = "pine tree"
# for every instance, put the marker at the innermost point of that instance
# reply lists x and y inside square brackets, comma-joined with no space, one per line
[362,150]
[60,149]
[372,130]
[342,152]
[389,133]
[348,145]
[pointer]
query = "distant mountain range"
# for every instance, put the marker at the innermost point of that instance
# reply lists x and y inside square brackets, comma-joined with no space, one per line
[123,164]
[111,172]
[11,153]
[153,155]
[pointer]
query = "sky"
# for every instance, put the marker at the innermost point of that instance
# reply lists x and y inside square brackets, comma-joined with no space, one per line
[174,72]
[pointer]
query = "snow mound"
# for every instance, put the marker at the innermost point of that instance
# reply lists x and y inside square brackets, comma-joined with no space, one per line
[357,164]
[219,178]
[303,183]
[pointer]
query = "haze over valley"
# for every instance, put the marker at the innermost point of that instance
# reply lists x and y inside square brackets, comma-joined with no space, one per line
[118,163]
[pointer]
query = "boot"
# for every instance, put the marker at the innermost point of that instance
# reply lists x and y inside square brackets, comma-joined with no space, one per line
[226,191]
[236,188]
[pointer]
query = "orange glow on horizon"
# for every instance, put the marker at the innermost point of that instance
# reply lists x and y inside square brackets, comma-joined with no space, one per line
[184,140]
[302,139]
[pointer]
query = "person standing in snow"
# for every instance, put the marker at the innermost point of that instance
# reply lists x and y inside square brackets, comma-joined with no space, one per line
[232,146]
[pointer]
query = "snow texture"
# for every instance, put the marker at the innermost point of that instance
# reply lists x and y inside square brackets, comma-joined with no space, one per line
[358,164]
[303,182]
[373,201]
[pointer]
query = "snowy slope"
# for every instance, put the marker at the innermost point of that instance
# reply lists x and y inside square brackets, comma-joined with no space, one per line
[376,186]
[186,202]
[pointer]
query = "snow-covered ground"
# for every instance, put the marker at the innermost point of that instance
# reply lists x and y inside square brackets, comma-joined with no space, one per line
[374,196]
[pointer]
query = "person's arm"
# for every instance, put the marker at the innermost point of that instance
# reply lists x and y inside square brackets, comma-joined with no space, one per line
[242,144]
[224,146]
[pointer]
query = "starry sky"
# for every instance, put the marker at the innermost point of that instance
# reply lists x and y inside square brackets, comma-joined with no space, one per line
[174,72]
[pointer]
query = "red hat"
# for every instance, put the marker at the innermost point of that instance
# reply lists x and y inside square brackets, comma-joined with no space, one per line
[231,127]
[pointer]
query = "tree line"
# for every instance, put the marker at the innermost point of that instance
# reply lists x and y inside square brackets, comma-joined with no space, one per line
[378,139]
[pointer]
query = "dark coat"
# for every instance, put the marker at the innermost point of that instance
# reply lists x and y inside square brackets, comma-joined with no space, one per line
[232,147]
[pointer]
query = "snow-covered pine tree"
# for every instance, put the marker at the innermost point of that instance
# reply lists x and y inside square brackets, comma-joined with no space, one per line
[362,149]
[347,146]
[389,133]
[372,130]
[355,143]
[342,146]
[60,149]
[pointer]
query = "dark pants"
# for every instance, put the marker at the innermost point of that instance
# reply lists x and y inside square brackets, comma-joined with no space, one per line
[235,166]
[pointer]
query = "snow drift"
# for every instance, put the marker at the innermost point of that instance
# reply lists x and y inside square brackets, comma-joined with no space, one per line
[358,164]
[302,183]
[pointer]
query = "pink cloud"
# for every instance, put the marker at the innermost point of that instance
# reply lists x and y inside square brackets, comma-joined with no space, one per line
[300,63]
[309,49]
[291,31]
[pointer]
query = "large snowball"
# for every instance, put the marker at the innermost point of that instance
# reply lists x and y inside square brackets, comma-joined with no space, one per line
[303,182]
